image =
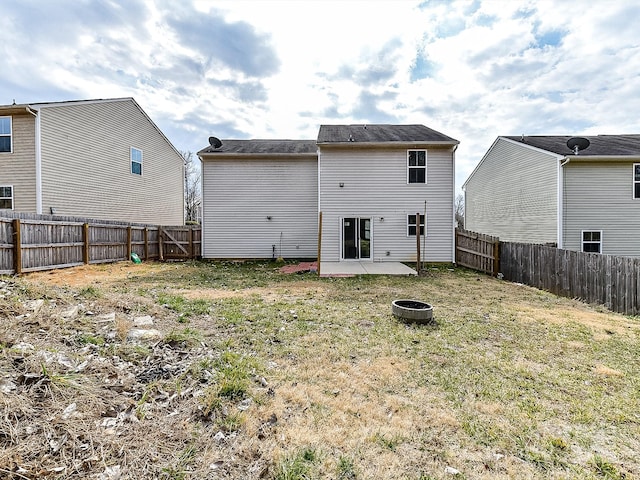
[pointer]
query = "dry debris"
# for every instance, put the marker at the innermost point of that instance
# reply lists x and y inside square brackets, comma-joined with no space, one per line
[81,386]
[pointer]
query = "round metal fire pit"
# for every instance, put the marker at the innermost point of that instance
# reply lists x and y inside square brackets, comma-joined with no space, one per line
[412,311]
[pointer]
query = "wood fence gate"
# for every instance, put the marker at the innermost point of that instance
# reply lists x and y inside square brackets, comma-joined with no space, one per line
[478,251]
[179,243]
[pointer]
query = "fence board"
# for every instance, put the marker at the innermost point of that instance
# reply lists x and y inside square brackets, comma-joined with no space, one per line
[45,242]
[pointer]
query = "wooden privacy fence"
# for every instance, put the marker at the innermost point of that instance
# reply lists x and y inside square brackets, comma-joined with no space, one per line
[607,280]
[478,251]
[38,242]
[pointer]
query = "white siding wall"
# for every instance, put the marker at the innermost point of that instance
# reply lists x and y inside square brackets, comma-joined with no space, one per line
[375,185]
[239,195]
[19,167]
[86,168]
[598,196]
[513,194]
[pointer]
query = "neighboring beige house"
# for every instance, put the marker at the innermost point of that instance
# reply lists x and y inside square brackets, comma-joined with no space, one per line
[579,193]
[101,159]
[262,198]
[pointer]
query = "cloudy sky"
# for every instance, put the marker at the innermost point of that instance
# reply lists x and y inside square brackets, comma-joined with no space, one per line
[471,69]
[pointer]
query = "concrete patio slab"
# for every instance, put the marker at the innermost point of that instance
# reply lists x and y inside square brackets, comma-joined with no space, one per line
[343,269]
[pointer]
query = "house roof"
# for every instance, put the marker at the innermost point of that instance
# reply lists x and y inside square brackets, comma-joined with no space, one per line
[263,147]
[376,133]
[599,145]
[33,108]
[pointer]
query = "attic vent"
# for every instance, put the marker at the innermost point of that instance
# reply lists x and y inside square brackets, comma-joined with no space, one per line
[577,144]
[215,142]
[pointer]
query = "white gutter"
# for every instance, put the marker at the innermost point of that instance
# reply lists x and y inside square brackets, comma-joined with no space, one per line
[560,227]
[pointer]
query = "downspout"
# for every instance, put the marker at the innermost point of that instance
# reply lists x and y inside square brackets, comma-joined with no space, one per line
[453,203]
[561,202]
[38,145]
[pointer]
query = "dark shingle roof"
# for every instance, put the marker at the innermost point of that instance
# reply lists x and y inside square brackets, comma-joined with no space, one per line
[264,147]
[380,134]
[600,145]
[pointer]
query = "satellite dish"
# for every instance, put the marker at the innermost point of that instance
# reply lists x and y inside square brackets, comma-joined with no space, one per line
[215,142]
[578,143]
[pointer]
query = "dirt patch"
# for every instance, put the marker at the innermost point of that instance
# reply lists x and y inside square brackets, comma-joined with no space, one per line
[86,275]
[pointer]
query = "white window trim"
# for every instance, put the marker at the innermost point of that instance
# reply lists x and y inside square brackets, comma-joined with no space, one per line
[10,135]
[423,223]
[634,182]
[13,203]
[426,161]
[582,242]
[132,161]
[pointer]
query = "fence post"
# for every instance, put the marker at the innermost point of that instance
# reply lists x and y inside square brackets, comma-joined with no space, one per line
[85,247]
[496,258]
[160,244]
[17,247]
[191,253]
[129,249]
[146,243]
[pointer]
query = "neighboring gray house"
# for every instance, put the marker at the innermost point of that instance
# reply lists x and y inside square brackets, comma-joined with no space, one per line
[262,198]
[102,159]
[536,189]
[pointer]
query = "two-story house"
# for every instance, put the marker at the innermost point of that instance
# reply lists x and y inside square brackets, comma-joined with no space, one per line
[101,159]
[580,193]
[263,198]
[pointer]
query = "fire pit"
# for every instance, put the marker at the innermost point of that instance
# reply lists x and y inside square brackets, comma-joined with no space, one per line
[412,311]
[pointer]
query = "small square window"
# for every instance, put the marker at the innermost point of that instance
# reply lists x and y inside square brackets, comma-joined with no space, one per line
[136,161]
[592,242]
[6,197]
[411,225]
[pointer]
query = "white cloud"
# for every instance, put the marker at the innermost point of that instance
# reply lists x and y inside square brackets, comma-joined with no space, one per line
[277,69]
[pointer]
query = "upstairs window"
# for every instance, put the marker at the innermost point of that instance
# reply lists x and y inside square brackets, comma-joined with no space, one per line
[136,161]
[417,166]
[412,227]
[636,180]
[6,197]
[592,242]
[5,135]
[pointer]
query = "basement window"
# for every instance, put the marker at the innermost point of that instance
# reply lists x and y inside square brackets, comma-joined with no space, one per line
[6,197]
[411,225]
[5,135]
[136,161]
[592,242]
[416,166]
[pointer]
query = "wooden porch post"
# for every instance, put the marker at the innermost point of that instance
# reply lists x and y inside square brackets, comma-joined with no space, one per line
[319,240]
[418,242]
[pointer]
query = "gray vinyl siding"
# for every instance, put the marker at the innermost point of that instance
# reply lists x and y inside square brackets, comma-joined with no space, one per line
[375,186]
[18,168]
[86,167]
[598,196]
[239,195]
[512,194]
